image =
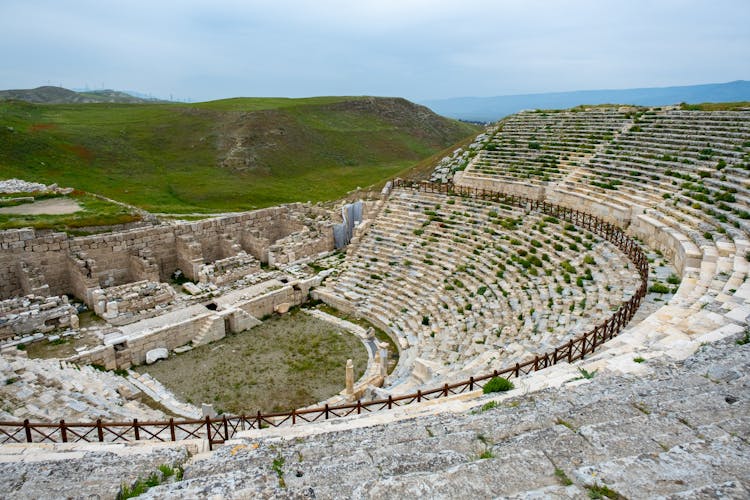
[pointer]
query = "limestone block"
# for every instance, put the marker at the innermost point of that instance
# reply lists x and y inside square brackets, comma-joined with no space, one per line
[282,308]
[112,308]
[208,410]
[155,355]
[191,288]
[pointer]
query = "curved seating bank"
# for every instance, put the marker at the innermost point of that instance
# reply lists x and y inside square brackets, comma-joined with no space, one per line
[218,430]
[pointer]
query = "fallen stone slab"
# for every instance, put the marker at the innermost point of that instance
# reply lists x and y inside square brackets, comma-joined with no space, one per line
[155,355]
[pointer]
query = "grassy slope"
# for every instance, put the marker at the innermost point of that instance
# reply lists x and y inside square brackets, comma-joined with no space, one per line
[167,157]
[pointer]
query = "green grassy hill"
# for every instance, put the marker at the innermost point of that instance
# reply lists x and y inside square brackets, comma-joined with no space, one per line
[233,154]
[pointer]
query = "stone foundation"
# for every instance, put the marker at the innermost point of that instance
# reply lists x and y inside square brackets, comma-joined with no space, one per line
[120,303]
[54,264]
[33,313]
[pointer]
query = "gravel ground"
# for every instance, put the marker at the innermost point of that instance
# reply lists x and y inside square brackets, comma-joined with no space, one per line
[287,362]
[52,206]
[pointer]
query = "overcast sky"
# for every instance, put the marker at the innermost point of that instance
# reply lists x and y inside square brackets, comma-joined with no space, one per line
[418,49]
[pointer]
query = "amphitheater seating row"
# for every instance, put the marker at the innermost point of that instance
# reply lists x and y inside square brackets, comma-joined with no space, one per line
[465,281]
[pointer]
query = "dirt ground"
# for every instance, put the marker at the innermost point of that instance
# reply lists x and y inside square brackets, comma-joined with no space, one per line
[52,206]
[287,362]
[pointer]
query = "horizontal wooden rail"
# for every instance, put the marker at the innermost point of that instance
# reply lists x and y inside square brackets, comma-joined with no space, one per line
[218,430]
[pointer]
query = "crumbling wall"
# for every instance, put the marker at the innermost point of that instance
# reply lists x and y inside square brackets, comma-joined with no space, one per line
[228,270]
[130,299]
[34,313]
[45,254]
[80,265]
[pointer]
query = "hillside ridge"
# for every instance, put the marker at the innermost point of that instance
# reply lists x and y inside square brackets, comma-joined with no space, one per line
[48,94]
[234,154]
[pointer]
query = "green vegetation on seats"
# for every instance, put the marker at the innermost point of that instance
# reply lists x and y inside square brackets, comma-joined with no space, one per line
[715,106]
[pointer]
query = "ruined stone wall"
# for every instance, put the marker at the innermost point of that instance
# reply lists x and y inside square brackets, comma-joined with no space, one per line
[300,244]
[45,254]
[24,315]
[76,265]
[131,298]
[293,294]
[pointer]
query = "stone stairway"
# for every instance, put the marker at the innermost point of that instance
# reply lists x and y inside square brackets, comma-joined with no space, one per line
[677,430]
[156,391]
[207,332]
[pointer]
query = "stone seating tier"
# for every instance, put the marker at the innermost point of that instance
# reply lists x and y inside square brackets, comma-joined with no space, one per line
[451,278]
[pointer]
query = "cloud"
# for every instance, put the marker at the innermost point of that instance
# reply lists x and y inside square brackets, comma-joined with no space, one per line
[413,48]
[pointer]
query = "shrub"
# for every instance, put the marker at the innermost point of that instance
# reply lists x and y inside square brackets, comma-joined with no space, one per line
[425,320]
[658,288]
[673,279]
[497,384]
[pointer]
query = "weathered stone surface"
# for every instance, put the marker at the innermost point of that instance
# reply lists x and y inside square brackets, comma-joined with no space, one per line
[282,308]
[155,355]
[191,288]
[84,473]
[633,434]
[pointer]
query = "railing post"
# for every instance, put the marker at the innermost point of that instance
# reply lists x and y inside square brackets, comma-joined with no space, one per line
[583,344]
[63,431]
[171,429]
[294,417]
[536,362]
[260,419]
[326,411]
[517,371]
[570,351]
[596,334]
[419,395]
[28,430]
[390,402]
[99,430]
[471,383]
[359,406]
[208,433]
[226,427]
[136,430]
[445,390]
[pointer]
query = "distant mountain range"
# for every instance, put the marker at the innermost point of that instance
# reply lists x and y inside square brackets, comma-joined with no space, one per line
[489,109]
[59,95]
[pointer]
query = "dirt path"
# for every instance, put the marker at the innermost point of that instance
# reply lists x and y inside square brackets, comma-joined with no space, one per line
[52,206]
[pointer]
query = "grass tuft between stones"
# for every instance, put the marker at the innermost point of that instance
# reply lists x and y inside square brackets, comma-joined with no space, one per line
[497,384]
